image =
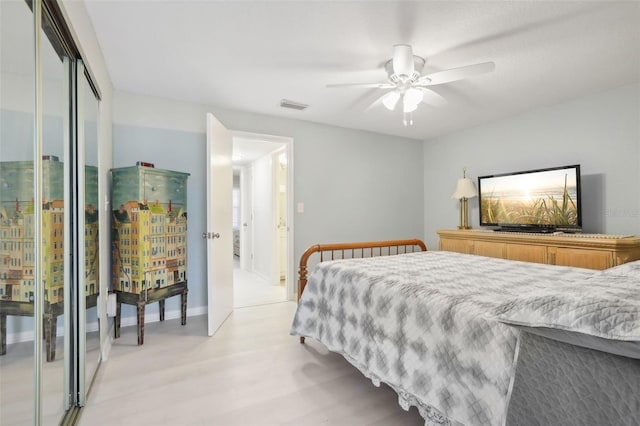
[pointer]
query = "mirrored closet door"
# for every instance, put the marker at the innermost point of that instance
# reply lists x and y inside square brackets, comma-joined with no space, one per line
[88,105]
[54,223]
[17,263]
[49,217]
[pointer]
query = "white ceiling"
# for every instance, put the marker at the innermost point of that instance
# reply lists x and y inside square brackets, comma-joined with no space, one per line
[248,55]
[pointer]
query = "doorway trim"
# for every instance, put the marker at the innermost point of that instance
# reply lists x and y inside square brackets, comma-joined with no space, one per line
[290,289]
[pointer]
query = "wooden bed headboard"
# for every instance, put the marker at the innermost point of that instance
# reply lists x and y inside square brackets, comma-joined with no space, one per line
[355,251]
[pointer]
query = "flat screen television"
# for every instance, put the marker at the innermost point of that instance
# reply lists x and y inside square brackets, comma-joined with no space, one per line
[544,200]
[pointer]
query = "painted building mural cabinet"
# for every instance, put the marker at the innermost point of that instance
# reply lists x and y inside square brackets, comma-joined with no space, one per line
[149,240]
[17,244]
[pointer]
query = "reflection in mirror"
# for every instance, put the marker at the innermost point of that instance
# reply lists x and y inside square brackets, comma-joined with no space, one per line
[39,376]
[16,214]
[19,287]
[55,221]
[91,241]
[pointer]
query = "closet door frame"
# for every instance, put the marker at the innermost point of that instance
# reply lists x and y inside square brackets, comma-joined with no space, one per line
[48,21]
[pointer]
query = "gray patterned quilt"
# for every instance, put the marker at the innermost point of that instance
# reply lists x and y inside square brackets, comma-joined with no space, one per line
[427,324]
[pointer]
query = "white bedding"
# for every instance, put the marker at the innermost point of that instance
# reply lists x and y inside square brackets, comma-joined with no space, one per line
[427,324]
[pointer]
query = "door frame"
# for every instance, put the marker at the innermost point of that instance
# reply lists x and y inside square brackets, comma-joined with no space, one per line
[246,209]
[290,288]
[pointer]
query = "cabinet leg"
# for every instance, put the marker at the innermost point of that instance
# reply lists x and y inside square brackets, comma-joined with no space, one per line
[183,306]
[116,320]
[140,309]
[161,309]
[50,324]
[3,334]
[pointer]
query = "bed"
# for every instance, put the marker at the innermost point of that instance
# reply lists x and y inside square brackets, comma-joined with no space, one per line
[474,340]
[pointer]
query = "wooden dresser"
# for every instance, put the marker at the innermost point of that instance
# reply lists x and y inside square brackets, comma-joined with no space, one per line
[580,250]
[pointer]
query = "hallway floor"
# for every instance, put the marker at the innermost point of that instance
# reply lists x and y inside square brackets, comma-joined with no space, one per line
[251,289]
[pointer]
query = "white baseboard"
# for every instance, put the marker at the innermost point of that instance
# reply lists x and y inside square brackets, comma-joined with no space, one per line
[168,315]
[27,336]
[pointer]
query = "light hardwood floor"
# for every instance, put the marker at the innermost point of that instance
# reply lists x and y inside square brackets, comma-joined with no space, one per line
[250,289]
[252,372]
[17,381]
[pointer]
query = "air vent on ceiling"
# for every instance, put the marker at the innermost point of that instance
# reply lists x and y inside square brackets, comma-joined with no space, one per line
[286,103]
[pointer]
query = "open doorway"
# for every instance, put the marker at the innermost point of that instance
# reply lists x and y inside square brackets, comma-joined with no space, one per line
[262,225]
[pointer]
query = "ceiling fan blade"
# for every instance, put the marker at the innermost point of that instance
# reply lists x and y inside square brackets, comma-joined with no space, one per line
[402,60]
[431,97]
[364,85]
[455,74]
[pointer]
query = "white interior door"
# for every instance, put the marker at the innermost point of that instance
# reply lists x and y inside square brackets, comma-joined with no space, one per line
[219,233]
[246,220]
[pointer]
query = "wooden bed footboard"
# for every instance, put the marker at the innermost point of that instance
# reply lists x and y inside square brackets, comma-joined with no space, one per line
[355,251]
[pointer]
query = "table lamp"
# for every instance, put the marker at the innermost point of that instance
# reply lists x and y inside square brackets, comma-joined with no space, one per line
[465,189]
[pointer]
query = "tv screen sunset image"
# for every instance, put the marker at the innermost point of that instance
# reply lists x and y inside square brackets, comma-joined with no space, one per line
[547,198]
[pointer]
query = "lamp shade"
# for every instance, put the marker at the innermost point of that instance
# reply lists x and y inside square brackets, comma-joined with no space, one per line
[408,107]
[465,189]
[390,100]
[413,96]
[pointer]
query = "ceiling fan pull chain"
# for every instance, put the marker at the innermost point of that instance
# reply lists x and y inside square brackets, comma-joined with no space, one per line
[407,119]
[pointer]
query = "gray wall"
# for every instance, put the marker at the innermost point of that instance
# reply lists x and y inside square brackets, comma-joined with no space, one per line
[355,185]
[601,132]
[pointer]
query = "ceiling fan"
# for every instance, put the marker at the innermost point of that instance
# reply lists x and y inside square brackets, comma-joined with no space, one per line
[406,82]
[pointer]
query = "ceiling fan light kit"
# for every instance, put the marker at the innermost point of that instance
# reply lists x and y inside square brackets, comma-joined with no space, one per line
[408,106]
[406,82]
[390,100]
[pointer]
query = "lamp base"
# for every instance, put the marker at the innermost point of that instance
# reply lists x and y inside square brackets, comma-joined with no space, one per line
[464,214]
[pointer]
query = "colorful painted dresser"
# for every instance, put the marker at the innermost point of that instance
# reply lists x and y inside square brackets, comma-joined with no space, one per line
[149,240]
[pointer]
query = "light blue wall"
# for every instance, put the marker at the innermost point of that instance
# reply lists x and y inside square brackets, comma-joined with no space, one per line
[601,132]
[179,151]
[355,185]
